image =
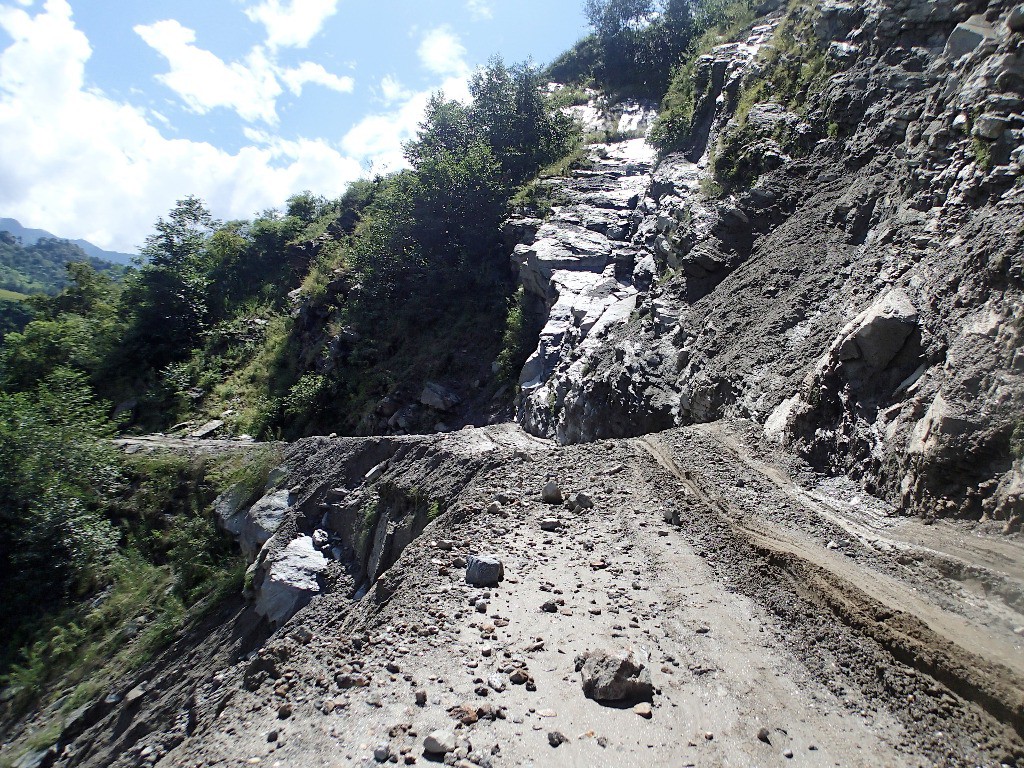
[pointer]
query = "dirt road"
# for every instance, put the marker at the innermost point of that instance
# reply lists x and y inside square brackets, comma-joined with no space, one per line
[781,623]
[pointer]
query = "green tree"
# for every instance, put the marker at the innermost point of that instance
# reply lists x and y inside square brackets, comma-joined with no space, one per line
[75,329]
[168,297]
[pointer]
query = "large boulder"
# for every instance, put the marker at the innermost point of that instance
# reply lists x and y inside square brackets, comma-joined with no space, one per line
[1015,21]
[614,676]
[261,521]
[967,36]
[484,570]
[227,508]
[292,579]
[836,19]
[881,331]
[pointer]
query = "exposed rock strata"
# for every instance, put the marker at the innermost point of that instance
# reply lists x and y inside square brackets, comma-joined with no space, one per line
[861,298]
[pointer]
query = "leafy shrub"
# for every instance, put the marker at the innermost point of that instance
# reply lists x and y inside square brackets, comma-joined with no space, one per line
[717,22]
[305,394]
[171,565]
[56,471]
[519,340]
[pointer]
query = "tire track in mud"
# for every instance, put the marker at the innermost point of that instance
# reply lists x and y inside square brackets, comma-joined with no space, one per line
[801,567]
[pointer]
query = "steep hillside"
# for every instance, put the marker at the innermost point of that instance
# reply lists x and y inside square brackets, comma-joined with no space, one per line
[41,266]
[835,254]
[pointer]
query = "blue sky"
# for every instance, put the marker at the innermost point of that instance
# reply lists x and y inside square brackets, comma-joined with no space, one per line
[110,110]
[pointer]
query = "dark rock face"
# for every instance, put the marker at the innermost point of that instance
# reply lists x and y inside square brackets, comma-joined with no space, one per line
[484,571]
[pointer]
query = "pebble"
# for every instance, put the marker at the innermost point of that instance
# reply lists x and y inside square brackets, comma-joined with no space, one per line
[421,698]
[439,742]
[762,735]
[556,738]
[788,754]
[644,710]
[382,753]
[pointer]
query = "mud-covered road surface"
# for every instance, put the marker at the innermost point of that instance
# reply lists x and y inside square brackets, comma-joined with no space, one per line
[785,618]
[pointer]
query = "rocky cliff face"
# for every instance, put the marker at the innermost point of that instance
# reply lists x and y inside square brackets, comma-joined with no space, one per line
[859,292]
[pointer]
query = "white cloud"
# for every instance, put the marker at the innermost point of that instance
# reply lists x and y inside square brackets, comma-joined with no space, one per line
[392,90]
[250,88]
[82,164]
[204,81]
[480,9]
[377,139]
[442,53]
[292,23]
[309,72]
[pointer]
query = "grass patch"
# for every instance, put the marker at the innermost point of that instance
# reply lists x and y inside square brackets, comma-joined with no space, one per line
[982,151]
[434,510]
[519,339]
[12,296]
[793,69]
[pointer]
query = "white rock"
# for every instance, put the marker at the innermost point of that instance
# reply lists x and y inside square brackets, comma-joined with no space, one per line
[291,582]
[261,521]
[227,507]
[438,396]
[439,743]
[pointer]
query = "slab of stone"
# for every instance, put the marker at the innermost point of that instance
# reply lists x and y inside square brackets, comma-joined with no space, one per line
[967,36]
[261,521]
[292,580]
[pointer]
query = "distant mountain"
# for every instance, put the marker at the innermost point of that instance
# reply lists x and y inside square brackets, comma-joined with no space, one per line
[31,236]
[42,266]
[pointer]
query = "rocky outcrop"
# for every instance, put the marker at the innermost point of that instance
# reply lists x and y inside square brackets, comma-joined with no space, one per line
[356,504]
[252,526]
[581,269]
[857,292]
